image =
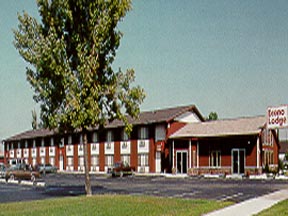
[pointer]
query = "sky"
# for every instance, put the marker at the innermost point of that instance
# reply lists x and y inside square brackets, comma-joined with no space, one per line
[224,56]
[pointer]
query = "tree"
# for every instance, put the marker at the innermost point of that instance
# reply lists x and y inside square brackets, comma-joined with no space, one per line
[212,116]
[34,123]
[34,120]
[70,55]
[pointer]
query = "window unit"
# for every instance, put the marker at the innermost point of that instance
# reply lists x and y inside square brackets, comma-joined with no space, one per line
[109,160]
[125,159]
[143,133]
[95,138]
[109,137]
[215,159]
[143,160]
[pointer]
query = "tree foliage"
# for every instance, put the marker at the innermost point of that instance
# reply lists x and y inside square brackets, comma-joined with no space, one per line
[212,116]
[70,54]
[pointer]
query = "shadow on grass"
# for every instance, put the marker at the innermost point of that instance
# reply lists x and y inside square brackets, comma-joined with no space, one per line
[62,191]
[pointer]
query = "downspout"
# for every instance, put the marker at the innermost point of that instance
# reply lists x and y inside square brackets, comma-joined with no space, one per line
[258,152]
[190,155]
[173,154]
[198,154]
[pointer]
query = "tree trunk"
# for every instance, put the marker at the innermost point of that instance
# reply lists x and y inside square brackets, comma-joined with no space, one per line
[86,165]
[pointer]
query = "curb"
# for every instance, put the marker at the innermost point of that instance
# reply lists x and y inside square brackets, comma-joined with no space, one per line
[24,182]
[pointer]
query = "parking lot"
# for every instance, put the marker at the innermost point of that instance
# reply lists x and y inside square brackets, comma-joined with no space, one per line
[60,185]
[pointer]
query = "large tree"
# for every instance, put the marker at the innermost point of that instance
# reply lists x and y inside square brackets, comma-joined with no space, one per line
[70,54]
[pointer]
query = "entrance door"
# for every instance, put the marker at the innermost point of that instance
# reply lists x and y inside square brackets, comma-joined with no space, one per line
[61,163]
[181,158]
[238,161]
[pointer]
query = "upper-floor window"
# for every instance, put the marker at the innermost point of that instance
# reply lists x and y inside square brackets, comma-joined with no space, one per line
[109,136]
[143,133]
[52,141]
[42,142]
[26,144]
[95,137]
[267,137]
[125,136]
[19,145]
[160,132]
[69,140]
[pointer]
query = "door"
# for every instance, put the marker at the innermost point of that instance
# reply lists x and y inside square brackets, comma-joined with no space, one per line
[238,161]
[61,163]
[181,161]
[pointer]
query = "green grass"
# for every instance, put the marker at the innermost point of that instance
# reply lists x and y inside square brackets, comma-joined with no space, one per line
[279,209]
[112,205]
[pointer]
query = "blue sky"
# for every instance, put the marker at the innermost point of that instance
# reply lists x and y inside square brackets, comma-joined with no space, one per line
[224,56]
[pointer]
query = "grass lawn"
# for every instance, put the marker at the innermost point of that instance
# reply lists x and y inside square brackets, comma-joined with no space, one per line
[279,209]
[112,205]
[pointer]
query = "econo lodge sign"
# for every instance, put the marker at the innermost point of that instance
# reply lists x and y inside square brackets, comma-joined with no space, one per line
[277,117]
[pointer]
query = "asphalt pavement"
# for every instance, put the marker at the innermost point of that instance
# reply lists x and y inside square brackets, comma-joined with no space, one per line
[249,196]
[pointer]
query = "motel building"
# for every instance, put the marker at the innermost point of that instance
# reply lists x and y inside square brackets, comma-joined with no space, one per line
[174,140]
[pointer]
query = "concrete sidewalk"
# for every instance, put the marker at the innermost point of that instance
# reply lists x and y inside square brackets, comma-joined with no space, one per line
[252,206]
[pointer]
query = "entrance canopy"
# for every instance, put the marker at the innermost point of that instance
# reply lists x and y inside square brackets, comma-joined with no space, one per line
[221,128]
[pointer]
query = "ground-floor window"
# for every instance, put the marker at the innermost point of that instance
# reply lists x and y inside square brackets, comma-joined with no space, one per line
[268,157]
[70,163]
[43,160]
[143,160]
[81,163]
[52,161]
[95,160]
[109,160]
[215,159]
[125,159]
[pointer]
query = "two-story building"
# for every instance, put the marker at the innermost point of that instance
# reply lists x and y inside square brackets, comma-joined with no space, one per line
[146,148]
[174,140]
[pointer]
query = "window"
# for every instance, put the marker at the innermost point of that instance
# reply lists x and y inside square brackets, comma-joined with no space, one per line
[143,133]
[125,136]
[215,159]
[81,163]
[95,160]
[125,159]
[143,160]
[52,161]
[42,143]
[94,137]
[70,161]
[52,141]
[268,157]
[109,160]
[69,140]
[109,136]
[267,137]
